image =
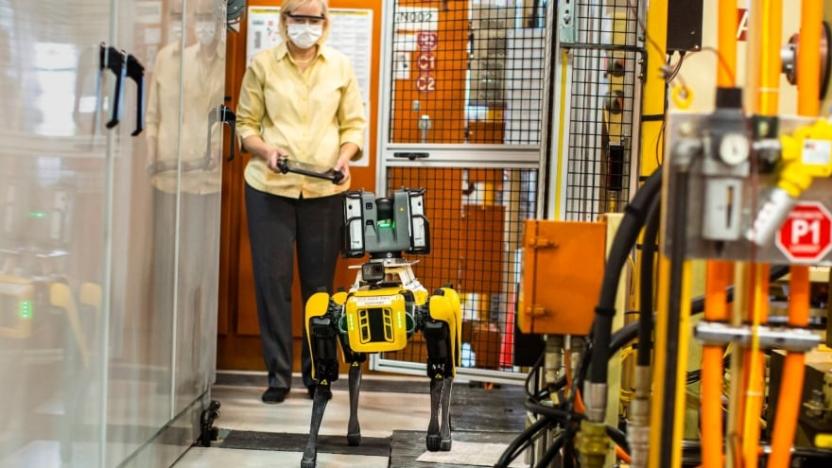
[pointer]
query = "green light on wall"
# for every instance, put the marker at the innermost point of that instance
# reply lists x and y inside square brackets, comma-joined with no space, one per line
[26,309]
[37,214]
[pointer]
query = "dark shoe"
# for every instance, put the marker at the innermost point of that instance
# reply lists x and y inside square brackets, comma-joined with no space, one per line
[274,395]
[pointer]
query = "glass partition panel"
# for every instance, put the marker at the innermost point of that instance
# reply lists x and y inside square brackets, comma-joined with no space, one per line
[200,143]
[144,229]
[52,224]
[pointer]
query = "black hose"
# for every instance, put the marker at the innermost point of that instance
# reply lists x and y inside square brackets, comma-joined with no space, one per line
[557,443]
[555,414]
[535,368]
[521,442]
[676,226]
[625,238]
[619,437]
[648,254]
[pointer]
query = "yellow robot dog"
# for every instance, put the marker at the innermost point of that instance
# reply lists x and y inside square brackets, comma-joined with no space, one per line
[384,307]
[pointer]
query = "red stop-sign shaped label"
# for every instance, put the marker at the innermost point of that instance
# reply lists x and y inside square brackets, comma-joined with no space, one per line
[806,235]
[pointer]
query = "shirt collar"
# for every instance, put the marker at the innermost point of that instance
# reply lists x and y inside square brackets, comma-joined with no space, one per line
[282,50]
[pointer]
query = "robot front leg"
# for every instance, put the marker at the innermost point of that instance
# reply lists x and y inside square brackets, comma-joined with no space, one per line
[322,343]
[355,360]
[440,371]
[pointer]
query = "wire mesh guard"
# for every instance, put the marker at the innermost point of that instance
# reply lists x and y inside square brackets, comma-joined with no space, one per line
[604,77]
[467,71]
[476,220]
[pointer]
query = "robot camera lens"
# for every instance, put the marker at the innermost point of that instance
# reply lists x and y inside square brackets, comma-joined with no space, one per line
[372,272]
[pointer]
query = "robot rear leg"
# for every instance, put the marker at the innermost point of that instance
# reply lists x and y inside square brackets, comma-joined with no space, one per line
[440,371]
[322,340]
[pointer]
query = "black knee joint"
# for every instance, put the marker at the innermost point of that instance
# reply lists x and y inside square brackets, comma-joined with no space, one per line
[437,337]
[324,348]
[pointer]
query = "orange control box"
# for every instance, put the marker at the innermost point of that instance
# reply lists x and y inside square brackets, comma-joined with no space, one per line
[563,263]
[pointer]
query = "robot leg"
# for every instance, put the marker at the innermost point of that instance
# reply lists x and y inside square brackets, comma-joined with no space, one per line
[440,371]
[322,334]
[355,360]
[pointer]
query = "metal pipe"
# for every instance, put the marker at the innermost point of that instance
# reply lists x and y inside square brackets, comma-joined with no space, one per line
[718,278]
[791,389]
[718,273]
[768,30]
[727,45]
[808,104]
[791,339]
[769,27]
[754,390]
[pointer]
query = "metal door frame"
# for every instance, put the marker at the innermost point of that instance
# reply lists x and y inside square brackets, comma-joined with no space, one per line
[492,156]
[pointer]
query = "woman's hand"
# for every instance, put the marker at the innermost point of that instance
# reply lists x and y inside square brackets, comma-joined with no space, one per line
[343,165]
[272,155]
[255,145]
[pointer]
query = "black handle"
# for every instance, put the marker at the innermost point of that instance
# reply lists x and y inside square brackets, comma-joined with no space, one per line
[412,155]
[135,71]
[284,167]
[114,60]
[229,118]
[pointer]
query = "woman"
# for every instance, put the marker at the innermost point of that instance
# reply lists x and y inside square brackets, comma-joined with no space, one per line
[301,101]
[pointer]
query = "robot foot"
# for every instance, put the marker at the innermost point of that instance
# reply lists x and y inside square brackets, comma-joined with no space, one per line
[434,442]
[308,461]
[354,440]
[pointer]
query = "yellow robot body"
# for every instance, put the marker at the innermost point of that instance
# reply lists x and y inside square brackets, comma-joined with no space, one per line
[376,320]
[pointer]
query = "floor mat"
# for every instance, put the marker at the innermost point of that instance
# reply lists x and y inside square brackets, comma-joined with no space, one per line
[408,450]
[286,442]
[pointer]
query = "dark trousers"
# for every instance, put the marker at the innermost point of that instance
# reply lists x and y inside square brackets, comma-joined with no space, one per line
[275,225]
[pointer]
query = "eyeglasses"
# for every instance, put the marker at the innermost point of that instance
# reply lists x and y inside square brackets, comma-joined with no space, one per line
[305,19]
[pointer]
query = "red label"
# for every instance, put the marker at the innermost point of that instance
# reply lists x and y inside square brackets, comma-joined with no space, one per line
[426,61]
[426,83]
[806,235]
[427,40]
[742,24]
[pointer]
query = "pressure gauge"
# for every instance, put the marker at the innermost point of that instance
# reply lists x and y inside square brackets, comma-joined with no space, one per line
[733,149]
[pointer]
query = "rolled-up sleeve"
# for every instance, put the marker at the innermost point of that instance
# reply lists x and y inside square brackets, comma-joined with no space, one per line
[251,106]
[151,115]
[351,117]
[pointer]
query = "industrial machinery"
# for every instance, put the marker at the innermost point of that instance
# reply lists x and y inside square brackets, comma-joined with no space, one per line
[732,216]
[384,307]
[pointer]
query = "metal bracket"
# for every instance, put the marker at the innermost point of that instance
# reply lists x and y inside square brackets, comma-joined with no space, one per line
[567,21]
[789,339]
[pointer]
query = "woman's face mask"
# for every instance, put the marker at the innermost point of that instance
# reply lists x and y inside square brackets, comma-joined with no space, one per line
[206,31]
[176,31]
[305,35]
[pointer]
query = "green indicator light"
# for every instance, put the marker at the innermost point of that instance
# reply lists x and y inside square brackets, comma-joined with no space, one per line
[385,224]
[37,214]
[26,309]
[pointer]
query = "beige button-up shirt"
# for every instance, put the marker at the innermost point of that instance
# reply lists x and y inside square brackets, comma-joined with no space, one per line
[309,114]
[204,77]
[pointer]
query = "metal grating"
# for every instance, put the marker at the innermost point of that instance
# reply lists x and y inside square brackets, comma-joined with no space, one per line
[606,71]
[467,72]
[476,220]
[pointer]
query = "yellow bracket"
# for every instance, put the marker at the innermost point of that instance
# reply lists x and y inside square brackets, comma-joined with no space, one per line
[806,154]
[316,306]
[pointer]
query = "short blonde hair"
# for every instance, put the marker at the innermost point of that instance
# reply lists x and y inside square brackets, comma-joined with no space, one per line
[288,6]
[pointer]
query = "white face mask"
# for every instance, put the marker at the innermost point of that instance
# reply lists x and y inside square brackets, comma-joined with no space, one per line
[305,35]
[176,32]
[205,32]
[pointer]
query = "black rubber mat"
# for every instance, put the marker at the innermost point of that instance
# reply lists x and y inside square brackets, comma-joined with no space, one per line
[367,385]
[407,446]
[286,442]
